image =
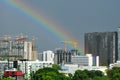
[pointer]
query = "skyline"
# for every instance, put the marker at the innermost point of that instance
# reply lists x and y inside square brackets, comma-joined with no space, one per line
[73,18]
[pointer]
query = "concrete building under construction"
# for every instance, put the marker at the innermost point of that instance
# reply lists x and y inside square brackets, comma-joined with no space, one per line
[102,44]
[14,48]
[62,56]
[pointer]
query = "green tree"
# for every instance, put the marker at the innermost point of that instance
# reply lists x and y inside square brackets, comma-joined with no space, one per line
[116,76]
[49,74]
[56,66]
[80,75]
[109,73]
[70,76]
[88,75]
[99,73]
[8,78]
[94,73]
[100,78]
[114,73]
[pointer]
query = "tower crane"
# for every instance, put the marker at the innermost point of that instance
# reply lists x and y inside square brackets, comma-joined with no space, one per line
[74,43]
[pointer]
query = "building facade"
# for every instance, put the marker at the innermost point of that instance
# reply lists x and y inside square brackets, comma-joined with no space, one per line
[85,60]
[17,48]
[73,67]
[80,60]
[48,55]
[40,56]
[119,43]
[62,56]
[29,52]
[102,44]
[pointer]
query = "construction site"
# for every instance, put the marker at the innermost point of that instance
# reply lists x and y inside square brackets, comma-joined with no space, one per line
[17,48]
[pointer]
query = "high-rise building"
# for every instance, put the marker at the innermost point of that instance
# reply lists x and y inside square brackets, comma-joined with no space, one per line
[102,44]
[119,43]
[29,53]
[17,48]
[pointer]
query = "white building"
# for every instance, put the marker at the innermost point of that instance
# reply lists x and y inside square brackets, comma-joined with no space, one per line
[117,64]
[27,66]
[73,67]
[85,60]
[80,60]
[47,56]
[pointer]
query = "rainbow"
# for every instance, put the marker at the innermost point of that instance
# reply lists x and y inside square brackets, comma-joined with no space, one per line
[39,19]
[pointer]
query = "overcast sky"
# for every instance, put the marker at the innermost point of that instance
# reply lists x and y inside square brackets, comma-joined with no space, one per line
[74,16]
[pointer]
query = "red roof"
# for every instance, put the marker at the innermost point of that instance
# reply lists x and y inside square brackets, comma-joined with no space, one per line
[12,73]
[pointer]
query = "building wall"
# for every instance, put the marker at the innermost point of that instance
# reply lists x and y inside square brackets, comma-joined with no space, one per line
[40,56]
[34,55]
[17,49]
[80,60]
[90,60]
[11,48]
[28,50]
[48,56]
[29,53]
[102,44]
[119,43]
[85,60]
[62,56]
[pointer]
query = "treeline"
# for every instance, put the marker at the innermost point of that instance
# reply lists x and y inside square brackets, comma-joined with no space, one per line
[48,73]
[53,74]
